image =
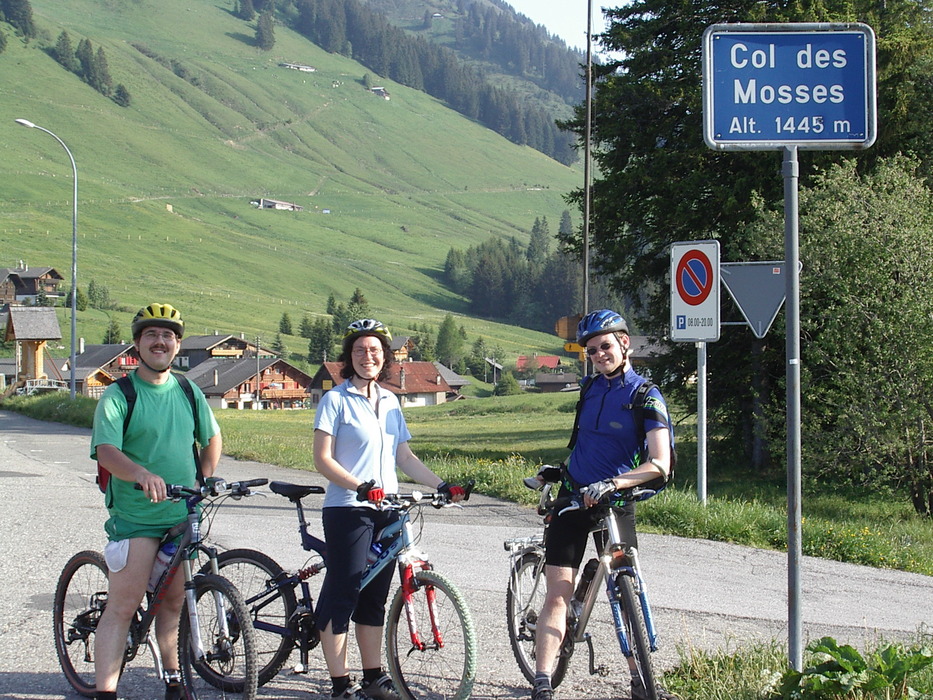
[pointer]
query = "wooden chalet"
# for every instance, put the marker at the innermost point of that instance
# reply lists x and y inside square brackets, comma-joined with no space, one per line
[537,362]
[551,382]
[99,366]
[22,284]
[196,349]
[251,383]
[415,383]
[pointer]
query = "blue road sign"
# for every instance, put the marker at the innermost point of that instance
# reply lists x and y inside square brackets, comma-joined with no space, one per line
[768,86]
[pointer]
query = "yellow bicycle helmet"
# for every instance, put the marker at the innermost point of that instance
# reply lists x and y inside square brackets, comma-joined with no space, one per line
[161,315]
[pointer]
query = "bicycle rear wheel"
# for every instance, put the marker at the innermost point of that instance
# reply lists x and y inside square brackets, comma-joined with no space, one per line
[524,599]
[637,631]
[443,665]
[271,608]
[229,659]
[80,597]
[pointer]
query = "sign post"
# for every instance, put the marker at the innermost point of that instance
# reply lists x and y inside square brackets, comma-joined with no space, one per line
[789,87]
[695,318]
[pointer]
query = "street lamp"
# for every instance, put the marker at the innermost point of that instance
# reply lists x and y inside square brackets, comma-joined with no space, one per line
[74,251]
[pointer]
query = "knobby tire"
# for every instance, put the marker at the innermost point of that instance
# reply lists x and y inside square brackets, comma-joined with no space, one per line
[521,615]
[80,597]
[230,662]
[447,672]
[637,633]
[254,575]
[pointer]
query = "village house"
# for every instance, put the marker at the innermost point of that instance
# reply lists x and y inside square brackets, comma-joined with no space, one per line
[264,203]
[196,349]
[415,383]
[22,284]
[99,366]
[251,383]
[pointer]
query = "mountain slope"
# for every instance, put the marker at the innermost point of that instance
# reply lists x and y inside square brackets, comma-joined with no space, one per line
[165,185]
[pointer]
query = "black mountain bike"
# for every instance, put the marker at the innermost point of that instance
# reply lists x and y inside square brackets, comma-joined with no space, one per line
[215,639]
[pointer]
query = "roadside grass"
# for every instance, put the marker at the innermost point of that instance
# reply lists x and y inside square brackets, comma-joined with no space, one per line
[497,441]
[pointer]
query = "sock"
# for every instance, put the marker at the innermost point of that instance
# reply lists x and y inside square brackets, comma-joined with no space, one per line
[371,674]
[106,695]
[341,683]
[542,679]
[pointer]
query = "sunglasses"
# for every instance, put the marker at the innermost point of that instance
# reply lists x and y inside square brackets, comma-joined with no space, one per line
[603,346]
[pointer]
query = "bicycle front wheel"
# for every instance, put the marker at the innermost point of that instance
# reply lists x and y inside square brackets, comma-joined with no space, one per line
[524,599]
[226,631]
[80,597]
[637,633]
[430,641]
[270,607]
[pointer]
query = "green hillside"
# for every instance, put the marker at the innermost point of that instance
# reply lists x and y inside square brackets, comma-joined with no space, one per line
[165,185]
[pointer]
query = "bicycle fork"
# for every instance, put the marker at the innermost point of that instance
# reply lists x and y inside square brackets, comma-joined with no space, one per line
[409,587]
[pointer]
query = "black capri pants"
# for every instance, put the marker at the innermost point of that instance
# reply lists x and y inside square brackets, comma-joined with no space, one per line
[349,534]
[566,535]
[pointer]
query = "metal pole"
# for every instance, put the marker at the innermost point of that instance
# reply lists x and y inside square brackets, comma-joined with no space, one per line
[586,158]
[791,172]
[701,422]
[74,253]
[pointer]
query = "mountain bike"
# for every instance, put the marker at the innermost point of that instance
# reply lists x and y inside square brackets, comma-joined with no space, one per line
[215,640]
[430,639]
[616,571]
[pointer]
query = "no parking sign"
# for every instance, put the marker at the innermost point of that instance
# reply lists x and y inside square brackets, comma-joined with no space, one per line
[695,291]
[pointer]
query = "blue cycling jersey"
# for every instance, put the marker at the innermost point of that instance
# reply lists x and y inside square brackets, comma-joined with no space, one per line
[608,440]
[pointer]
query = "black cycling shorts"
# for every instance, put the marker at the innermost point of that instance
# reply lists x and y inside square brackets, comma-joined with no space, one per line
[349,536]
[566,535]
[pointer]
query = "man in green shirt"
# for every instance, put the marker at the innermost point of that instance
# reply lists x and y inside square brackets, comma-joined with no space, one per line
[155,450]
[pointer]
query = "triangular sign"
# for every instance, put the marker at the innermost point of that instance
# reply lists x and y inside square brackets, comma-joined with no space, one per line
[758,289]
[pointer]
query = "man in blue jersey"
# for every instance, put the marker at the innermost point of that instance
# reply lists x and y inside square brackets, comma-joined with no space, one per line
[610,453]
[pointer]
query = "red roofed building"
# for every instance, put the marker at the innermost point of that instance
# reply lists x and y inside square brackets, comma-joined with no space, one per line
[415,383]
[537,362]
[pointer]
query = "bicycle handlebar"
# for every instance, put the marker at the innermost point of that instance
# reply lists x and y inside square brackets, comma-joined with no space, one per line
[631,495]
[401,501]
[213,487]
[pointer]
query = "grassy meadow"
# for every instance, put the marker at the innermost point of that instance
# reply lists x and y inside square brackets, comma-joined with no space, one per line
[165,185]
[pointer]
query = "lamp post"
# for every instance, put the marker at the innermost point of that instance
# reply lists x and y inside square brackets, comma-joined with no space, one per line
[74,251]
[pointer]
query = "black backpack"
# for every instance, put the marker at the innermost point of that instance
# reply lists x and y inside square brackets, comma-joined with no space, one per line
[638,407]
[129,392]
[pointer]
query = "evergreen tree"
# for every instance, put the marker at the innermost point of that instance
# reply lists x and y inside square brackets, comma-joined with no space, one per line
[265,31]
[305,327]
[507,385]
[278,345]
[80,300]
[113,333]
[42,299]
[285,324]
[331,304]
[122,96]
[540,242]
[449,342]
[104,82]
[321,343]
[358,307]
[19,14]
[65,53]
[245,10]
[565,228]
[2,40]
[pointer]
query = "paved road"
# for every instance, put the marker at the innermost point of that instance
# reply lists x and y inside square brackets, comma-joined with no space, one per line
[705,595]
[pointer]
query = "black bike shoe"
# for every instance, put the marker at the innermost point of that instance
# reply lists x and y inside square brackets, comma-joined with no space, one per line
[542,692]
[381,689]
[353,692]
[640,693]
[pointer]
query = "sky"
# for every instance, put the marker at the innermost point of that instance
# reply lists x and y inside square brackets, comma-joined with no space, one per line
[565,18]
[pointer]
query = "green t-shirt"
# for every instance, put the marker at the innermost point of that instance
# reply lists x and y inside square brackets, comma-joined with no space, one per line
[159,437]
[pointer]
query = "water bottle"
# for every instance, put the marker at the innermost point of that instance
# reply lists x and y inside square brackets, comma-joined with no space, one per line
[589,571]
[164,556]
[373,553]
